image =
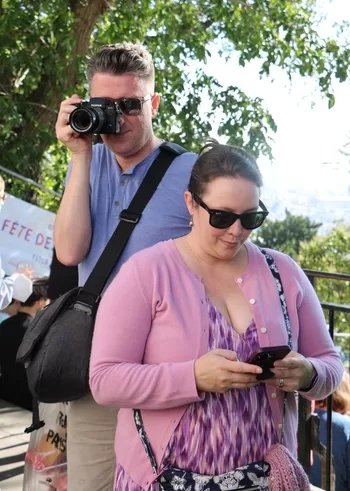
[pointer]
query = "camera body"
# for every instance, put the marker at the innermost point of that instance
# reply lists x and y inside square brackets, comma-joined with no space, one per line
[98,116]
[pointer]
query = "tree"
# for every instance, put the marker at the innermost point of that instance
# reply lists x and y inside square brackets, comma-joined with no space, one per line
[44,44]
[286,235]
[331,253]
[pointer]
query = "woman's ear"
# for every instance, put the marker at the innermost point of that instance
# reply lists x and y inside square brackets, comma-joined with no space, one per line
[190,203]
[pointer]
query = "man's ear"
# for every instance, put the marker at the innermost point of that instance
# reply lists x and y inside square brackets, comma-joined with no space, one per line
[155,104]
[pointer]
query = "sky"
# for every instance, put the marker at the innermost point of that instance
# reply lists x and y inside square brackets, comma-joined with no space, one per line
[308,133]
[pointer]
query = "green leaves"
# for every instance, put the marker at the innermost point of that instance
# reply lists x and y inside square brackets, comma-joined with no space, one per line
[44,44]
[286,235]
[331,253]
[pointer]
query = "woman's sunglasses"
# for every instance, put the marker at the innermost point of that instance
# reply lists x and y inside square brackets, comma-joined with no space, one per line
[132,106]
[224,219]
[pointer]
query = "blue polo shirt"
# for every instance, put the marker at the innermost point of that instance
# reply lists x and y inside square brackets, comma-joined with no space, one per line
[111,191]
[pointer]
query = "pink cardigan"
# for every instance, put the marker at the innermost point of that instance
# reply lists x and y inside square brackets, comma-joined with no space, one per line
[152,325]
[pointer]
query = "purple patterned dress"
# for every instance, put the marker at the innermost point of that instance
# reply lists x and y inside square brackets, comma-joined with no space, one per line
[224,431]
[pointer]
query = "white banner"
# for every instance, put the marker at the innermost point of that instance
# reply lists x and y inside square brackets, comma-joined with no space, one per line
[26,237]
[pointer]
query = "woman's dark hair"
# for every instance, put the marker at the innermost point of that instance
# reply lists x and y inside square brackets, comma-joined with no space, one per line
[216,160]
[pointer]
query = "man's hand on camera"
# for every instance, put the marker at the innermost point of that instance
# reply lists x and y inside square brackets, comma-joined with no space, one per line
[75,142]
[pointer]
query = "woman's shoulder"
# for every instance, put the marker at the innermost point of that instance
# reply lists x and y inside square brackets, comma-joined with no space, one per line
[280,257]
[286,265]
[153,259]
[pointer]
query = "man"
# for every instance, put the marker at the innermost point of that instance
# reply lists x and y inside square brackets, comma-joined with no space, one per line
[18,280]
[102,181]
[13,380]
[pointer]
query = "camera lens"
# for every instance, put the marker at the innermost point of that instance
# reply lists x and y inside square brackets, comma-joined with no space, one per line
[83,120]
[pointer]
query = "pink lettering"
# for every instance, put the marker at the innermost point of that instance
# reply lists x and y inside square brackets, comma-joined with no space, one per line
[28,234]
[23,227]
[13,228]
[5,224]
[48,243]
[40,239]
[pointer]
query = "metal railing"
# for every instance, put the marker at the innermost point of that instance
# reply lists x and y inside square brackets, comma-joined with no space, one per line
[308,430]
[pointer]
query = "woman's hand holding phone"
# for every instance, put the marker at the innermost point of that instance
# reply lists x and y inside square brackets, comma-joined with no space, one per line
[294,372]
[220,371]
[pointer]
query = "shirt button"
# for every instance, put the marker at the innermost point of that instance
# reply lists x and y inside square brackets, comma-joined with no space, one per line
[116,203]
[239,280]
[263,330]
[273,395]
[252,301]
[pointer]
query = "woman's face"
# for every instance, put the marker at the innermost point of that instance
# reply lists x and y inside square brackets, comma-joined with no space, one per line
[237,195]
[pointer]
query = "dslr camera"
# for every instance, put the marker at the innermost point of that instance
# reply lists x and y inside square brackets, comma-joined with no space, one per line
[98,115]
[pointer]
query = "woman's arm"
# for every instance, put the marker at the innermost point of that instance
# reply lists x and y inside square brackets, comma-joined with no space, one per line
[117,375]
[316,344]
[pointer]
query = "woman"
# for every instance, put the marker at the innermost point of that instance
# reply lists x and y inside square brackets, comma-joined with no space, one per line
[177,326]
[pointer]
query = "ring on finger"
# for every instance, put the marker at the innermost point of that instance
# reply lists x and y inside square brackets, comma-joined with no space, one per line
[281,383]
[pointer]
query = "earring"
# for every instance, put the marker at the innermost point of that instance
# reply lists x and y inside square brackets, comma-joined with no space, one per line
[191,222]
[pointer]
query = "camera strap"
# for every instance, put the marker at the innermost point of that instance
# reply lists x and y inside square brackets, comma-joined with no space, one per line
[129,218]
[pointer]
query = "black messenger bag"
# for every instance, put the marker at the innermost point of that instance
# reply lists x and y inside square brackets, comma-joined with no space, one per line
[56,346]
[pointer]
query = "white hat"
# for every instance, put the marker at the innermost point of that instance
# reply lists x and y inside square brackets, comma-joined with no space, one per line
[22,288]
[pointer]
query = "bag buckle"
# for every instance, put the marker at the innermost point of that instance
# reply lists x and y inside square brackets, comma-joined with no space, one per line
[129,217]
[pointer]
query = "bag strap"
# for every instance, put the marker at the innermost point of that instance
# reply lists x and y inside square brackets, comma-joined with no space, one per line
[276,276]
[129,218]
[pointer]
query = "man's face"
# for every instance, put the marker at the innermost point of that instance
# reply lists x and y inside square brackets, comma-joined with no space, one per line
[135,131]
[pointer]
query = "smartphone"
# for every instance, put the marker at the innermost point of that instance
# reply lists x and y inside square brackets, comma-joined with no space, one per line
[265,358]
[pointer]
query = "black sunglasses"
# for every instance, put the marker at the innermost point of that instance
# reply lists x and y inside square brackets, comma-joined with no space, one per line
[132,106]
[224,219]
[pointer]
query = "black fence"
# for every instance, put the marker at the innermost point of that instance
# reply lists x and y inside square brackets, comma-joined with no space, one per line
[308,431]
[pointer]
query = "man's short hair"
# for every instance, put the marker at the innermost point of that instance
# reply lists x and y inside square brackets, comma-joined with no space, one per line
[117,59]
[40,289]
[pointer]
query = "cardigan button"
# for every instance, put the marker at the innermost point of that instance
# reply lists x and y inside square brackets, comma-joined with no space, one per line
[252,301]
[273,395]
[263,330]
[239,280]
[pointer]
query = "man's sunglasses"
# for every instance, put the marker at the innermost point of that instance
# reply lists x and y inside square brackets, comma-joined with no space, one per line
[224,219]
[132,106]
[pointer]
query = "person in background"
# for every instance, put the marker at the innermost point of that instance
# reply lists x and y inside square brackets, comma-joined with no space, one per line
[10,310]
[8,283]
[13,380]
[101,182]
[175,333]
[340,436]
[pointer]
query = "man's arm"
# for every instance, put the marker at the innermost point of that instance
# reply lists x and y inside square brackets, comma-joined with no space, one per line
[72,232]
